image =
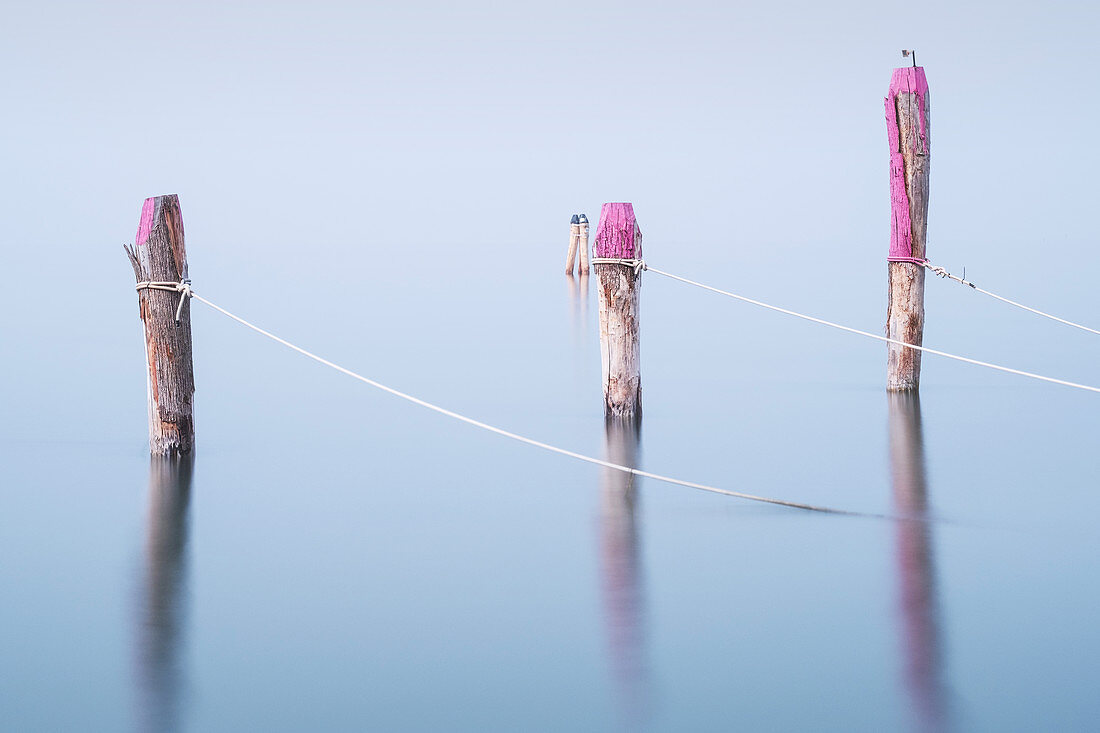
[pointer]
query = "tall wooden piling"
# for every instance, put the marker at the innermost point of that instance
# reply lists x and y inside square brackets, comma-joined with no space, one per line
[574,238]
[159,257]
[908,130]
[618,237]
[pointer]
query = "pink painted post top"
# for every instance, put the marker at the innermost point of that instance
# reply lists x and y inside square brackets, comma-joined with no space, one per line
[906,80]
[145,225]
[615,233]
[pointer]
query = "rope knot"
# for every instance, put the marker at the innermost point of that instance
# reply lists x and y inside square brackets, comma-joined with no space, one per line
[638,265]
[183,287]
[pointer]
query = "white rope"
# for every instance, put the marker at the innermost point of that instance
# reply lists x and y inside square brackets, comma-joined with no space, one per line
[875,336]
[944,273]
[183,287]
[638,265]
[514,436]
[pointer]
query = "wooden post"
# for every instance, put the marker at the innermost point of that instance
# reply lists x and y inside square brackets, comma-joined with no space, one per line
[907,125]
[619,236]
[583,245]
[158,255]
[574,237]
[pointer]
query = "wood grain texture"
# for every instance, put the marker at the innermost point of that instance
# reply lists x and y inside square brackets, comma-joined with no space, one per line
[159,255]
[906,106]
[905,309]
[904,322]
[618,286]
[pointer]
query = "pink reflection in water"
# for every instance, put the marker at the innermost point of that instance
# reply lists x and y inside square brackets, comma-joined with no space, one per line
[919,607]
[623,582]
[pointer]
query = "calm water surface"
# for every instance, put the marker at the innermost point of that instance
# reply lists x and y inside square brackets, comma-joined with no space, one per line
[333,558]
[390,185]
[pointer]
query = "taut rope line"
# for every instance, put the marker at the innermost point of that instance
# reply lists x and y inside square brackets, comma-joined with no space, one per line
[506,433]
[184,288]
[875,336]
[945,274]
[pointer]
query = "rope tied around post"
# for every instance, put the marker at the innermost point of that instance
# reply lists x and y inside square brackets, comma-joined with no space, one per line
[183,287]
[638,264]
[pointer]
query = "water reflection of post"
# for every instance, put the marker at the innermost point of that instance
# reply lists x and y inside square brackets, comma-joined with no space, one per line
[916,567]
[622,573]
[584,294]
[161,603]
[578,297]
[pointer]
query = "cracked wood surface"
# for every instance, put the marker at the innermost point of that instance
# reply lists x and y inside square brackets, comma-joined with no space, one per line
[910,140]
[618,235]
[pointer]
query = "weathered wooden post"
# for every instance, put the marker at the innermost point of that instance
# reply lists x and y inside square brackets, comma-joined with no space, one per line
[582,243]
[908,129]
[574,238]
[618,265]
[160,266]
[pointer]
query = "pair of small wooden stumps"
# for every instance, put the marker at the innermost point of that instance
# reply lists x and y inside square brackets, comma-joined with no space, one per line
[578,240]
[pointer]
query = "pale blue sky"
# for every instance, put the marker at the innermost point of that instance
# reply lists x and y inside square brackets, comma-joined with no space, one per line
[400,148]
[761,120]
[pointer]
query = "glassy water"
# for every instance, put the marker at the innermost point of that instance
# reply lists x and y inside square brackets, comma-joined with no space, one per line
[350,561]
[162,608]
